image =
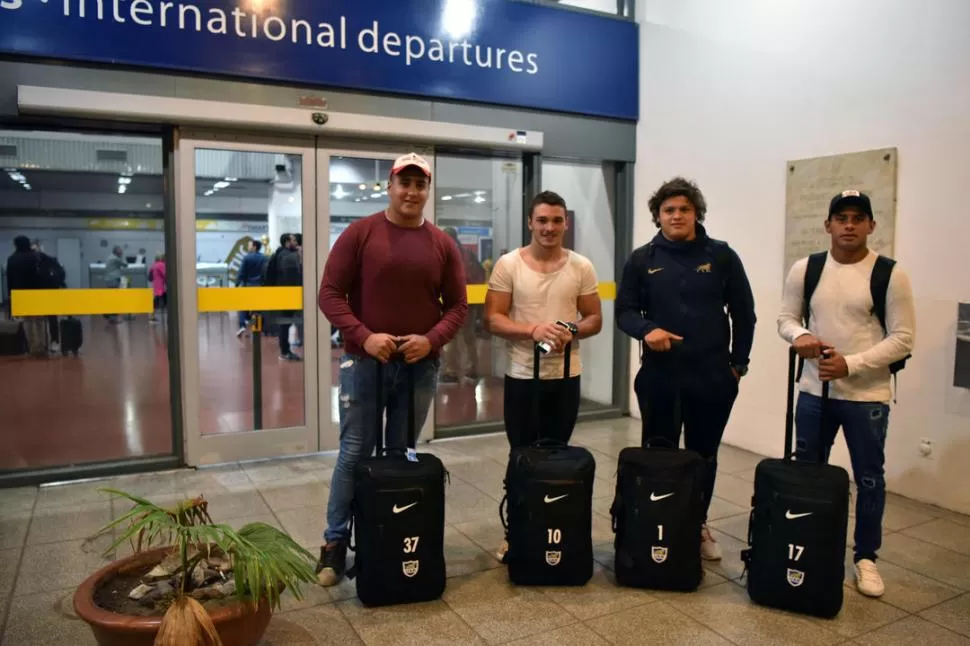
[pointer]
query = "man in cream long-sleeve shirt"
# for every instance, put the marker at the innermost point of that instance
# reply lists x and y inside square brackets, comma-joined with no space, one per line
[844,343]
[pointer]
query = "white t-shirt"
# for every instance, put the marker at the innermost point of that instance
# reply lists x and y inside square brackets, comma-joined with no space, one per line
[841,316]
[542,298]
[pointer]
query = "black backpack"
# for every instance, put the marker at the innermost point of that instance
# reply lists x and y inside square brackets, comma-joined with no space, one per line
[878,286]
[50,273]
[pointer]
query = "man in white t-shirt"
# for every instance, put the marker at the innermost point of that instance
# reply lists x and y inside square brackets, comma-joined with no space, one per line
[844,342]
[529,291]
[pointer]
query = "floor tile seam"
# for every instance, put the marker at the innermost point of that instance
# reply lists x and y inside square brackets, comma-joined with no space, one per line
[937,605]
[8,604]
[906,618]
[932,520]
[922,574]
[700,622]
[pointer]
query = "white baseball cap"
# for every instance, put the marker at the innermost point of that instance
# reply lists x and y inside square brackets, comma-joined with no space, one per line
[411,159]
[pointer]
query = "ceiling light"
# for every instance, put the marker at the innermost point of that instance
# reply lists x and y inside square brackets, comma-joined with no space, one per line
[148,205]
[479,192]
[121,189]
[362,187]
[292,199]
[377,186]
[479,199]
[357,200]
[218,185]
[232,179]
[124,180]
[376,195]
[26,186]
[208,193]
[340,193]
[445,198]
[17,176]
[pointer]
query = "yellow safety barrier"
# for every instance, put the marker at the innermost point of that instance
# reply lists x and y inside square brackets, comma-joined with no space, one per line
[80,302]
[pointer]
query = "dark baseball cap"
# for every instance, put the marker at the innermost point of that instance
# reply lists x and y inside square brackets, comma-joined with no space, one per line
[851,198]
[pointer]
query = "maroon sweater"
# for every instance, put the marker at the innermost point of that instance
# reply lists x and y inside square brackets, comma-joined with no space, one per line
[381,277]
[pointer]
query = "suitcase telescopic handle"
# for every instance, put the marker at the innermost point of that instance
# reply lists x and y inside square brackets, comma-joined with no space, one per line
[646,440]
[794,374]
[536,355]
[379,442]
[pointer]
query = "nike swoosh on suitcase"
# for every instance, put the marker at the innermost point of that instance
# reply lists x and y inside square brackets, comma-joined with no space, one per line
[398,510]
[791,516]
[654,497]
[547,499]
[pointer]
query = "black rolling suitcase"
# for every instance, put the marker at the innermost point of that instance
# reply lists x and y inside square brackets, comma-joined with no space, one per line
[795,558]
[72,335]
[549,509]
[657,515]
[399,519]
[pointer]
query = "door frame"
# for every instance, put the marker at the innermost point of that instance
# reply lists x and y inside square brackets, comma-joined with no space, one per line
[266,443]
[328,148]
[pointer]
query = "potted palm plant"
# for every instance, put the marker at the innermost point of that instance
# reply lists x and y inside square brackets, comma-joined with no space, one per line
[190,581]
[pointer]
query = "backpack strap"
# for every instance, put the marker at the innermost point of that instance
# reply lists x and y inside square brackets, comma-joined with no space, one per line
[813,273]
[882,271]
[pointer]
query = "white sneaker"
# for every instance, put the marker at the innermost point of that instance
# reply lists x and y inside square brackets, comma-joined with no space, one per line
[867,579]
[710,550]
[502,551]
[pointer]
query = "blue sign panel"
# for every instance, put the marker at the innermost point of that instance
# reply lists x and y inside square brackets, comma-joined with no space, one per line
[489,51]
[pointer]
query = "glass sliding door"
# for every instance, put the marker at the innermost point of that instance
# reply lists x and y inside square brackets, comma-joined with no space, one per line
[352,185]
[247,210]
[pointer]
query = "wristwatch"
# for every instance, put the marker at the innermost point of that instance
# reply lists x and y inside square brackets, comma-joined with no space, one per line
[572,327]
[741,370]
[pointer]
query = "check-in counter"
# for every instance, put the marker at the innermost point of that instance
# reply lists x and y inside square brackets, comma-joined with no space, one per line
[137,275]
[208,274]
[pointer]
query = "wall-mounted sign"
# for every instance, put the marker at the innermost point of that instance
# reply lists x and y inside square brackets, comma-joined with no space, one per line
[489,51]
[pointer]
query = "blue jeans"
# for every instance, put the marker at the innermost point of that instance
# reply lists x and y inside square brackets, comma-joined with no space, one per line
[358,423]
[864,425]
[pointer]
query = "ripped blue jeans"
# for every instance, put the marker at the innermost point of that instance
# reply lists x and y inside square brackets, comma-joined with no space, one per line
[358,423]
[864,425]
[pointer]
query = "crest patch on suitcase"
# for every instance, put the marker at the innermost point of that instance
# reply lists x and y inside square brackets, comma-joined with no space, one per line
[795,577]
[410,568]
[658,554]
[553,557]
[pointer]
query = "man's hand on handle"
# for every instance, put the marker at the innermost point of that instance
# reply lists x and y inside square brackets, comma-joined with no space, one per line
[832,365]
[381,346]
[661,340]
[553,334]
[414,347]
[808,347]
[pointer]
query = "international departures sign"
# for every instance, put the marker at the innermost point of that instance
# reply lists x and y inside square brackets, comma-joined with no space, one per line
[491,51]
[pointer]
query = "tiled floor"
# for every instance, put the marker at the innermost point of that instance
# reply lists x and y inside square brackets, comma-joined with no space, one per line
[45,551]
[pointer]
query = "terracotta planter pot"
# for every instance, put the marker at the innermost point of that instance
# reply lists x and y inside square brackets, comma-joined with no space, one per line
[238,624]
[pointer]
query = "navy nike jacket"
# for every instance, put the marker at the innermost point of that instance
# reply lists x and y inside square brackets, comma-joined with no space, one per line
[692,289]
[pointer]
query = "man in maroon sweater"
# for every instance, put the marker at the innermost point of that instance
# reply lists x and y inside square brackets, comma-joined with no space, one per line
[394,285]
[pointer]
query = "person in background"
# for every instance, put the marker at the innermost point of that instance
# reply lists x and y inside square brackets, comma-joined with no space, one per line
[114,267]
[461,355]
[22,274]
[157,276]
[285,269]
[250,274]
[531,290]
[51,265]
[394,285]
[843,342]
[684,286]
